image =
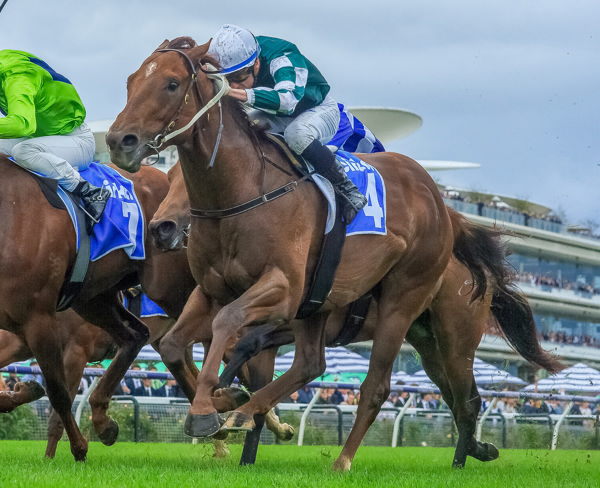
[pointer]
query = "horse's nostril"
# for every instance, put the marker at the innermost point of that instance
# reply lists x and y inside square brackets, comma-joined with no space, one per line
[162,231]
[130,141]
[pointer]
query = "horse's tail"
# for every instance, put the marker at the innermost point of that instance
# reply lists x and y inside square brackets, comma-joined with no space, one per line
[515,319]
[482,251]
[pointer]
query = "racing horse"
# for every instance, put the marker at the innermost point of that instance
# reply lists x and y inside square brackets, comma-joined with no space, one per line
[81,343]
[446,335]
[39,250]
[256,265]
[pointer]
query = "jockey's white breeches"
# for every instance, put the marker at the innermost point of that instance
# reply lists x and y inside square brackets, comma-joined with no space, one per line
[57,157]
[318,123]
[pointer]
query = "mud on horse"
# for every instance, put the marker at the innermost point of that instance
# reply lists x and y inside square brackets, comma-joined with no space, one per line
[255,265]
[446,335]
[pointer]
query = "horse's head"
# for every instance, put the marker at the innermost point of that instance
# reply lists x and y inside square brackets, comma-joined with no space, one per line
[170,225]
[158,96]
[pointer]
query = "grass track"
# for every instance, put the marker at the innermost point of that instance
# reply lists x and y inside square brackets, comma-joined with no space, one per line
[185,465]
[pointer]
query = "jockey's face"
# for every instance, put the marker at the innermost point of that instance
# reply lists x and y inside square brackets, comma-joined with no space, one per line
[247,81]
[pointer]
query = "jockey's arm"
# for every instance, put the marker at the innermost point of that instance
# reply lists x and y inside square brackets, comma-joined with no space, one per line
[20,120]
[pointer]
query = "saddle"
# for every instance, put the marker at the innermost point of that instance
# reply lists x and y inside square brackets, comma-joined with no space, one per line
[329,258]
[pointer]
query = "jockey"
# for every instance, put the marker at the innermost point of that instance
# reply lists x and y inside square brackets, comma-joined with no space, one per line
[291,96]
[44,129]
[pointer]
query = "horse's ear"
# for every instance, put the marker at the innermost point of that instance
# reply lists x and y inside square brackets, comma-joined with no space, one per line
[164,44]
[202,50]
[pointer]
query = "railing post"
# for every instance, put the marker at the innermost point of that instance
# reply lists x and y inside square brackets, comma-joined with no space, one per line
[84,400]
[558,424]
[398,418]
[485,415]
[305,416]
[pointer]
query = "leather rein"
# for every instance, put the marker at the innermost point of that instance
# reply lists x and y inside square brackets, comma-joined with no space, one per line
[168,134]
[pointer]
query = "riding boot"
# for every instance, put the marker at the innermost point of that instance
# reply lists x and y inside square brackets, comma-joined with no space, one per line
[325,163]
[94,200]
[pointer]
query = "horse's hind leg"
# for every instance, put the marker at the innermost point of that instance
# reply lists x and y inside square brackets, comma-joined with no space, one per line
[458,326]
[42,340]
[130,334]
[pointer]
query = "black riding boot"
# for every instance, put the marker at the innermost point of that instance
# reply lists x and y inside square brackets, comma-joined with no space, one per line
[94,201]
[325,163]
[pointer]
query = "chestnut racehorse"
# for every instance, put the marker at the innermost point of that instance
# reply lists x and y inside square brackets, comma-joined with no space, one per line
[39,250]
[446,335]
[255,266]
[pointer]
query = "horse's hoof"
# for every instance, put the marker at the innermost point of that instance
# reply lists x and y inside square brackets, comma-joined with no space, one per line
[239,421]
[109,435]
[458,464]
[487,452]
[221,449]
[29,391]
[202,425]
[228,399]
[285,432]
[80,452]
[342,464]
[80,457]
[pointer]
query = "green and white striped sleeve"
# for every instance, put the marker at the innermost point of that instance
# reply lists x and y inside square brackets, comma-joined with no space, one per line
[290,75]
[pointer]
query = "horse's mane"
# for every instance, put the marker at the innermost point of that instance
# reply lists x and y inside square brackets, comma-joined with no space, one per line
[183,42]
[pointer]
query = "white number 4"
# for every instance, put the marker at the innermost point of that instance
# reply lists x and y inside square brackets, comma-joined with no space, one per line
[373,208]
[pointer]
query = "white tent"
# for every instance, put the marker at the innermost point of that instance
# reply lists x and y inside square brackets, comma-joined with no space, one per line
[401,377]
[149,354]
[339,360]
[579,378]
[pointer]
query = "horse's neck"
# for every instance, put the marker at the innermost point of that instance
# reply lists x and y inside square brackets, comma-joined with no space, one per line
[237,172]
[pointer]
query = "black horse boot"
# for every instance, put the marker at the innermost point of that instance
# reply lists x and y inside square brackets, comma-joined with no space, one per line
[94,200]
[325,163]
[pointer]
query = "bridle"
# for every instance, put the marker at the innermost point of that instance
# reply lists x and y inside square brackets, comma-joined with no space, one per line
[167,133]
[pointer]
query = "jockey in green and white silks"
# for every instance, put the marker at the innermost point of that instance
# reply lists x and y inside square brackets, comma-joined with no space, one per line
[289,94]
[44,129]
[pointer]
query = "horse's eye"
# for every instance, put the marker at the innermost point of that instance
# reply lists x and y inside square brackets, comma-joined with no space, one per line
[172,86]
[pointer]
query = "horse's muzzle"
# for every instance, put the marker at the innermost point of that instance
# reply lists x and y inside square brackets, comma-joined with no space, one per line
[165,235]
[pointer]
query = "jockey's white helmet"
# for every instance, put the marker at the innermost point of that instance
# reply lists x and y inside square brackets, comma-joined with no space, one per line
[234,48]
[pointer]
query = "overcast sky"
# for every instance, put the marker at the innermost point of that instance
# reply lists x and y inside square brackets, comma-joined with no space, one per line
[512,85]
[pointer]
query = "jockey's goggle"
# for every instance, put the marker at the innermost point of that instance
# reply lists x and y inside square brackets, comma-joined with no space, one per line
[240,76]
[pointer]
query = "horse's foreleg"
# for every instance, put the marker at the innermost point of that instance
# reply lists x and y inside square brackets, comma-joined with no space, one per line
[25,392]
[42,339]
[74,362]
[12,349]
[266,300]
[130,334]
[193,326]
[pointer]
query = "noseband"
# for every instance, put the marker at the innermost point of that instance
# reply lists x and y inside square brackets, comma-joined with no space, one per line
[166,134]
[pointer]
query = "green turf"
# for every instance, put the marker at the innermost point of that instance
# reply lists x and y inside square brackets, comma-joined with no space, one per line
[183,465]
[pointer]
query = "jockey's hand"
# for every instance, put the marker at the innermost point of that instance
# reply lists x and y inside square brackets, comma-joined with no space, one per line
[238,94]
